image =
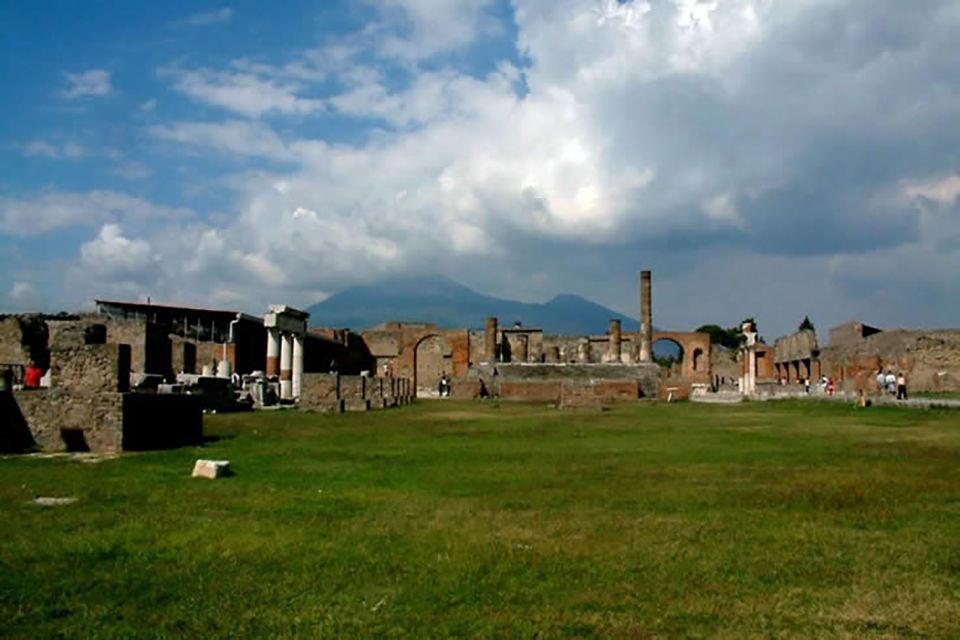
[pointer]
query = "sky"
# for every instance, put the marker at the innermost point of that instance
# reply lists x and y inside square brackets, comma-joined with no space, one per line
[764,158]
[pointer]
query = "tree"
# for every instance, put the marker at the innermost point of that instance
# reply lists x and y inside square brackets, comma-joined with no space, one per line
[806,325]
[730,338]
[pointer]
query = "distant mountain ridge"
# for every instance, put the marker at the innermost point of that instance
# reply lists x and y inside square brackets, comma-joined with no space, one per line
[448,304]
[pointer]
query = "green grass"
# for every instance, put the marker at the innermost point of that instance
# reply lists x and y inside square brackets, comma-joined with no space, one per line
[485,520]
[938,395]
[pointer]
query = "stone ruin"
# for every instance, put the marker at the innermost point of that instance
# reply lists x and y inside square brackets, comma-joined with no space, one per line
[88,405]
[521,363]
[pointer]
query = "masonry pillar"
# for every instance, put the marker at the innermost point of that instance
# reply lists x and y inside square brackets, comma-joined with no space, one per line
[286,367]
[583,351]
[522,349]
[646,319]
[273,352]
[613,342]
[490,341]
[297,364]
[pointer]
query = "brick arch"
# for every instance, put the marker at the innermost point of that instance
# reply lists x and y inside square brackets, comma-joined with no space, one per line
[696,352]
[432,356]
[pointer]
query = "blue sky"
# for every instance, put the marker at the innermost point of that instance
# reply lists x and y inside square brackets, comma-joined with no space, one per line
[767,159]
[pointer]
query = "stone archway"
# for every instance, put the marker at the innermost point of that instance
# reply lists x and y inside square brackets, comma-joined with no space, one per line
[695,365]
[432,357]
[664,348]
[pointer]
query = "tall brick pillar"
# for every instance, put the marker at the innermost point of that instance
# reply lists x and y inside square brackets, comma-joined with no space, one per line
[646,319]
[490,341]
[613,342]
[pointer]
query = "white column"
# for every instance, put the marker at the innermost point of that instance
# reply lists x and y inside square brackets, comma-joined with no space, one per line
[297,363]
[286,367]
[273,352]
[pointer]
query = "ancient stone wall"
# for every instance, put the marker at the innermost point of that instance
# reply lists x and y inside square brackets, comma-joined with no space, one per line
[334,392]
[12,350]
[133,333]
[66,421]
[91,369]
[800,345]
[929,359]
[850,333]
[581,384]
[24,338]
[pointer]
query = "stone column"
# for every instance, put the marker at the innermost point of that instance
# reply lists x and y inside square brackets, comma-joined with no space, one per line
[613,343]
[490,341]
[522,349]
[286,367]
[273,352]
[583,352]
[646,319]
[297,364]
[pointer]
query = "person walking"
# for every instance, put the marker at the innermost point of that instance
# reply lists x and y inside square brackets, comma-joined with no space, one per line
[891,382]
[901,386]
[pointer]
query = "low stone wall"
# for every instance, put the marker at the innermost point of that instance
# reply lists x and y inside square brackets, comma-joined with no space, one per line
[54,420]
[567,385]
[333,392]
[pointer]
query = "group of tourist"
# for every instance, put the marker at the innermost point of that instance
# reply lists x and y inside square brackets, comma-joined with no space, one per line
[444,386]
[893,384]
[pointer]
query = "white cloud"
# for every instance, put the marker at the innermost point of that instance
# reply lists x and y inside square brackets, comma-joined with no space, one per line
[232,136]
[113,257]
[148,106]
[131,170]
[414,30]
[945,191]
[44,149]
[205,18]
[22,291]
[741,140]
[95,82]
[245,93]
[52,210]
[39,148]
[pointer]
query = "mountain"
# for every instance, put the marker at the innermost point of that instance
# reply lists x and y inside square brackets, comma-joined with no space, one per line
[448,304]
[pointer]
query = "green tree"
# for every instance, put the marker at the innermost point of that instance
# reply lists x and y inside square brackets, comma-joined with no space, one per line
[729,338]
[806,325]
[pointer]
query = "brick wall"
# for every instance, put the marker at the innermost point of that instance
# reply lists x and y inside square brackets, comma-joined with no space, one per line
[336,392]
[66,421]
[91,369]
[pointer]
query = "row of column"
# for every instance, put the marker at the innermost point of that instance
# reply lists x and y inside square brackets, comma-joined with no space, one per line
[614,344]
[285,359]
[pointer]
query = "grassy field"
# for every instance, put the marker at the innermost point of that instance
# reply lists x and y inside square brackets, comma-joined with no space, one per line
[485,520]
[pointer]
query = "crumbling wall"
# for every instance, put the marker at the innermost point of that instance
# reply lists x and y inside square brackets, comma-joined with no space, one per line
[24,338]
[11,342]
[66,421]
[334,392]
[929,359]
[567,385]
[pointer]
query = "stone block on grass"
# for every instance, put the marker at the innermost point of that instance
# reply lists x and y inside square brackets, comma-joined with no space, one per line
[211,469]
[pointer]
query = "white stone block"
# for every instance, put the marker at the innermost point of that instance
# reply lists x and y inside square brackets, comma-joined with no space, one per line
[211,469]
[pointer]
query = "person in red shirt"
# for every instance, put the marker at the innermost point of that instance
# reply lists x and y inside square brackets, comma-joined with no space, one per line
[31,377]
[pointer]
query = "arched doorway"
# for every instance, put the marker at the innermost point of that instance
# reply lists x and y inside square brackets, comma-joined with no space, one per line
[698,361]
[668,353]
[433,357]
